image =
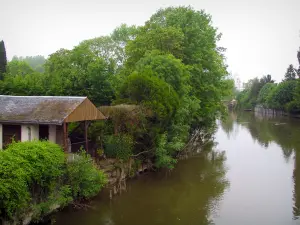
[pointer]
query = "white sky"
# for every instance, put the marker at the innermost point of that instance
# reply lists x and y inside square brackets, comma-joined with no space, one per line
[261,36]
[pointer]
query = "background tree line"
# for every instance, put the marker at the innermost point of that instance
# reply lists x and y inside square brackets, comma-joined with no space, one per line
[284,95]
[171,65]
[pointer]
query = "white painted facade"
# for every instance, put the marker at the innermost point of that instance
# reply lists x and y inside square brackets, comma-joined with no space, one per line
[52,133]
[30,133]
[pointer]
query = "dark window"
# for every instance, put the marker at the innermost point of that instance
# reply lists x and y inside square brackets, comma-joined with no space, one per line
[44,132]
[10,133]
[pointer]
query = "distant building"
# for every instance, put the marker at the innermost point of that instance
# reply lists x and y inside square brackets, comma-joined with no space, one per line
[26,118]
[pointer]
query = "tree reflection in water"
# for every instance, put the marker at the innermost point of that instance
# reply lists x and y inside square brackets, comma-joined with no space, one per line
[283,131]
[190,194]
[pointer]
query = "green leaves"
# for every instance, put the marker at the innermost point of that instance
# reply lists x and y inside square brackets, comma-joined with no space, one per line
[24,166]
[35,176]
[150,92]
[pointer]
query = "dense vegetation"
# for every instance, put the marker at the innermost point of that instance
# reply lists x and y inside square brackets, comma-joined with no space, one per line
[264,92]
[35,178]
[171,66]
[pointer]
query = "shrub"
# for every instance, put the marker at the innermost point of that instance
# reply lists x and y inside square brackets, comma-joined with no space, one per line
[84,178]
[29,173]
[118,146]
[35,176]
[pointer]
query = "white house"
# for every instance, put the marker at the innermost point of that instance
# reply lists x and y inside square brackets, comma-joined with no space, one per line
[26,118]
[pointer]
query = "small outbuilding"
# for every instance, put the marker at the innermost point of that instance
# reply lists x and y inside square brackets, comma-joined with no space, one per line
[26,118]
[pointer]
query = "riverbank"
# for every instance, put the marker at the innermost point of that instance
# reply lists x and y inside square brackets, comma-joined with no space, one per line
[256,180]
[274,112]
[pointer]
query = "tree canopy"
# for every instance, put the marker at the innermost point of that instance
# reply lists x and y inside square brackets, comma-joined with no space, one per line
[171,65]
[3,59]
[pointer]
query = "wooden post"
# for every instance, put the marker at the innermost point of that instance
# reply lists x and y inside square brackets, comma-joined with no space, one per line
[65,136]
[86,136]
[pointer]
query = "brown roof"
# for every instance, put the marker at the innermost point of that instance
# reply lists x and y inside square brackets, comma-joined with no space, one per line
[47,109]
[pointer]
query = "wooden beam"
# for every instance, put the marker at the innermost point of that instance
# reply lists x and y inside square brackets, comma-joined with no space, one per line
[86,124]
[65,136]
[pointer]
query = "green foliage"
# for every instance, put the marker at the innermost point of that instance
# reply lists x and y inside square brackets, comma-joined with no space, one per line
[83,177]
[16,67]
[282,95]
[35,176]
[35,62]
[265,94]
[250,96]
[79,72]
[29,171]
[3,59]
[166,67]
[150,92]
[290,73]
[119,146]
[163,157]
[171,68]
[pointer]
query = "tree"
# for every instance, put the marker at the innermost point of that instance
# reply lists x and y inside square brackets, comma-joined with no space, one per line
[290,73]
[298,56]
[16,67]
[79,72]
[188,35]
[267,79]
[150,92]
[35,62]
[282,94]
[3,60]
[167,68]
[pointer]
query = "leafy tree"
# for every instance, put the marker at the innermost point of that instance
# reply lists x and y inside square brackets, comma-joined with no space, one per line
[290,73]
[150,92]
[79,72]
[35,62]
[282,95]
[167,68]
[251,94]
[266,79]
[298,56]
[189,36]
[265,93]
[3,60]
[16,67]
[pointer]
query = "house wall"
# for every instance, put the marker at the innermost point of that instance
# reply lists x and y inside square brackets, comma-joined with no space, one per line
[35,132]
[25,130]
[60,136]
[29,132]
[1,136]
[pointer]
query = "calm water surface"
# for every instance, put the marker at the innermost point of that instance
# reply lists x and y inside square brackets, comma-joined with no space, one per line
[252,177]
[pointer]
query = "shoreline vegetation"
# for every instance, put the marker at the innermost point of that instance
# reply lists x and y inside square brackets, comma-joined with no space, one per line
[281,98]
[161,85]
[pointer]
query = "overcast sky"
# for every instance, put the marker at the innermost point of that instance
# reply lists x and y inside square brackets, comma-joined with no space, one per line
[261,36]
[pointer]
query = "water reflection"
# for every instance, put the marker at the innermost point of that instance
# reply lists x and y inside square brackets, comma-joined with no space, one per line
[266,130]
[190,194]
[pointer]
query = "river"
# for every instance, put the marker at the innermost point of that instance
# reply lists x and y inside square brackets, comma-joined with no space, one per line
[250,177]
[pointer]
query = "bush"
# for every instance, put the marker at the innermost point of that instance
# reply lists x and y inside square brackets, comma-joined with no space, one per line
[118,146]
[34,177]
[29,173]
[84,178]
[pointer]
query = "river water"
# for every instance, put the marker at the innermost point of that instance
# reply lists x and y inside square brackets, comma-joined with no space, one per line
[250,177]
